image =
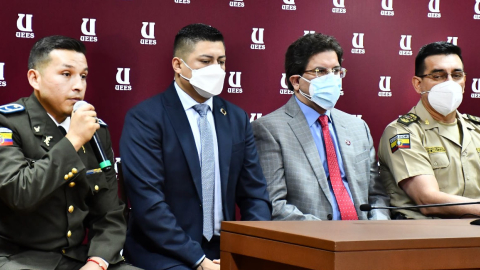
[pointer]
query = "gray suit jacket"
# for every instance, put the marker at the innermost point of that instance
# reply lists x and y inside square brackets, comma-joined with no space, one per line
[296,179]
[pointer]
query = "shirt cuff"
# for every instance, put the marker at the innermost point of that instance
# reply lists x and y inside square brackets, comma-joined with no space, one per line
[198,262]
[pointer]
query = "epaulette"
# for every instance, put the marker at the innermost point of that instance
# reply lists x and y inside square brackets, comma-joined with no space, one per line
[100,121]
[11,108]
[473,118]
[408,119]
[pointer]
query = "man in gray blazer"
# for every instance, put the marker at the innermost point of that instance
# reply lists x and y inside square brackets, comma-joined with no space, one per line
[319,162]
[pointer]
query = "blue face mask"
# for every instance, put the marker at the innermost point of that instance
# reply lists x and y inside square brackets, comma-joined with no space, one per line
[324,91]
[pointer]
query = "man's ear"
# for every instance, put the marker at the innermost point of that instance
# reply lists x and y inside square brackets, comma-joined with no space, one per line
[416,81]
[176,62]
[294,80]
[34,78]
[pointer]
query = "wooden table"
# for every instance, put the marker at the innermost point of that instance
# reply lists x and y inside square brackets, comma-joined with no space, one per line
[357,245]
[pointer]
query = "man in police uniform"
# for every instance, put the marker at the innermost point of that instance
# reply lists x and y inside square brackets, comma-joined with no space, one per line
[431,154]
[51,190]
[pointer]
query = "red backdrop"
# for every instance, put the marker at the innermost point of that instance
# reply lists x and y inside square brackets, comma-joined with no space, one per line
[136,36]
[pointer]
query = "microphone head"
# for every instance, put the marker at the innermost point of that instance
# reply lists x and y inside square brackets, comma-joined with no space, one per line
[365,207]
[79,104]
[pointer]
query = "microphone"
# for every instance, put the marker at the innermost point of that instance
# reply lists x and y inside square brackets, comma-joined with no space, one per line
[102,159]
[368,207]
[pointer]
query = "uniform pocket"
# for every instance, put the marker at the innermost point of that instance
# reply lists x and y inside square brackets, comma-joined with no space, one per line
[439,160]
[97,181]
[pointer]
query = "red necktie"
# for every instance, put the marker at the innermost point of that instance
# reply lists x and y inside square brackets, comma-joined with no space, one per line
[347,210]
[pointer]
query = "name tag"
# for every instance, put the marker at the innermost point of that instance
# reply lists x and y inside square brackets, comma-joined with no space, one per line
[437,149]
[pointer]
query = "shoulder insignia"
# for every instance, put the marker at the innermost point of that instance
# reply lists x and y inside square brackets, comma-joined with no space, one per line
[408,119]
[473,118]
[400,141]
[11,108]
[100,121]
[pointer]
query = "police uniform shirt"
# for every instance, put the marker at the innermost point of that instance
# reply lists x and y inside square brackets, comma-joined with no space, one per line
[417,144]
[50,194]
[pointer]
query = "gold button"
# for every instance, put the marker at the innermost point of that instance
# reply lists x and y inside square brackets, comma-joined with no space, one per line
[70,209]
[66,177]
[69,233]
[72,184]
[70,174]
[96,188]
[74,170]
[63,251]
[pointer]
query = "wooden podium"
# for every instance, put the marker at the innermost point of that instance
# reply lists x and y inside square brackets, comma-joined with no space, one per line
[352,245]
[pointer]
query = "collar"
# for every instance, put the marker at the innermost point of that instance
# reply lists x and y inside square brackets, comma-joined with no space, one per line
[187,101]
[310,114]
[65,124]
[426,117]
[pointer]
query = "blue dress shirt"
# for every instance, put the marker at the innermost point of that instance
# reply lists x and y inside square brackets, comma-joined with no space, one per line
[312,119]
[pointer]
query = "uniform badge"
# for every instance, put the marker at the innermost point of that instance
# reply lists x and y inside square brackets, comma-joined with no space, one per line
[11,108]
[435,149]
[5,136]
[408,119]
[473,118]
[400,141]
[47,140]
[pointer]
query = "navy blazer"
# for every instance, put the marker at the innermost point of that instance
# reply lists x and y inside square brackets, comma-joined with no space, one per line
[163,179]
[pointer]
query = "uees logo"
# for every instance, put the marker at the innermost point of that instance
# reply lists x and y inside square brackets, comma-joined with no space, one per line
[182,1]
[434,7]
[357,42]
[289,5]
[476,88]
[3,83]
[306,32]
[123,83]
[453,40]
[88,30]
[237,3]
[24,26]
[387,8]
[284,87]
[405,45]
[476,8]
[254,116]
[257,39]
[148,33]
[384,86]
[235,83]
[339,6]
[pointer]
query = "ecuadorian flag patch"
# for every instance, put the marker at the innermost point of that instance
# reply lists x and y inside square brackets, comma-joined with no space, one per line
[5,136]
[400,141]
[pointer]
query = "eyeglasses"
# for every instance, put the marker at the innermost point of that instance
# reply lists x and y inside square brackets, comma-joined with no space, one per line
[441,76]
[319,72]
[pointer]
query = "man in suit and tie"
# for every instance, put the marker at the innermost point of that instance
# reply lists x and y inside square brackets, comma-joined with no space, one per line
[188,157]
[319,162]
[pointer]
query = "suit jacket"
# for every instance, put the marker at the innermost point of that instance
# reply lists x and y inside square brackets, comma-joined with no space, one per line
[163,178]
[42,208]
[297,183]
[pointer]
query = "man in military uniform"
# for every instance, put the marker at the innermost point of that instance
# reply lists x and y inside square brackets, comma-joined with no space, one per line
[431,154]
[52,193]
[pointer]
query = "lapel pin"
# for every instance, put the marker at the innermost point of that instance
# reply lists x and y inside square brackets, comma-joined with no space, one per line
[83,149]
[222,110]
[348,142]
[47,140]
[37,128]
[427,122]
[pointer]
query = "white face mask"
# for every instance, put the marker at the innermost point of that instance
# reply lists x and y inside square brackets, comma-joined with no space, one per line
[207,81]
[324,90]
[445,97]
